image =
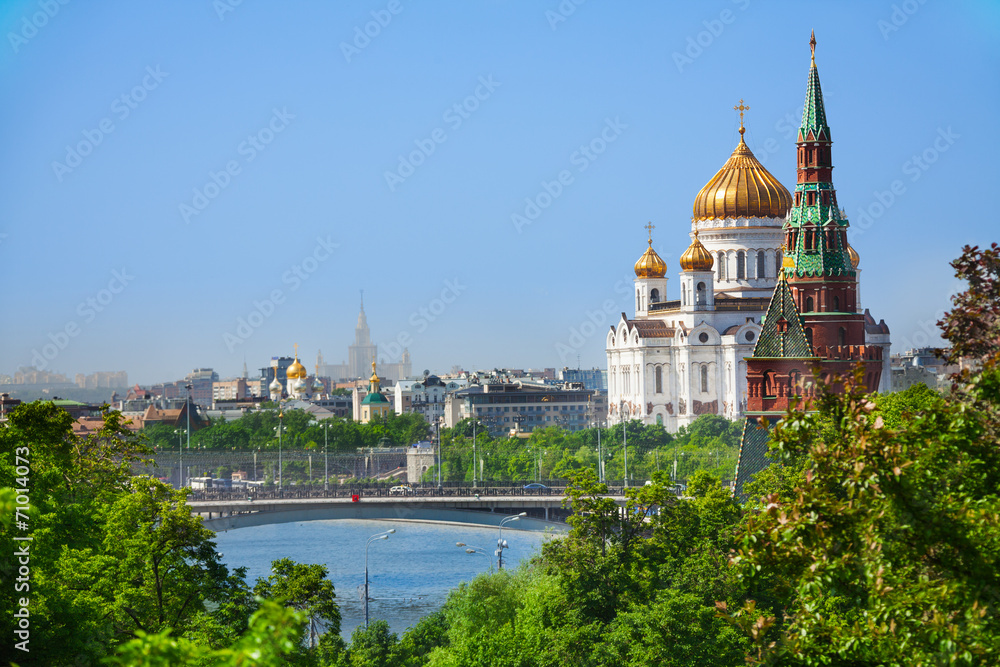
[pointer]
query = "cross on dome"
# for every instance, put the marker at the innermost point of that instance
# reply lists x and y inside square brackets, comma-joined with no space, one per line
[741,108]
[649,228]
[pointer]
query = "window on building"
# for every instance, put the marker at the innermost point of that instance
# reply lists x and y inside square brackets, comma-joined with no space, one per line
[777,262]
[809,335]
[809,304]
[741,265]
[722,265]
[659,420]
[841,336]
[704,379]
[769,388]
[700,298]
[761,273]
[836,304]
[794,383]
[654,296]
[658,374]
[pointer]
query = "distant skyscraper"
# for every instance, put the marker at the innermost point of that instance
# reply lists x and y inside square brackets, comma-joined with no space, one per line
[360,355]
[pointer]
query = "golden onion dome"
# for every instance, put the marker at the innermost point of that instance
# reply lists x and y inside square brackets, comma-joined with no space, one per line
[743,188]
[650,265]
[697,257]
[855,257]
[296,370]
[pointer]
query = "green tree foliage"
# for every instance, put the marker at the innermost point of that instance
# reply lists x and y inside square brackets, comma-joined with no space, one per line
[306,589]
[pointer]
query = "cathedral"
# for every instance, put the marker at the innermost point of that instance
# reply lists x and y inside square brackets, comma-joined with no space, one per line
[676,359]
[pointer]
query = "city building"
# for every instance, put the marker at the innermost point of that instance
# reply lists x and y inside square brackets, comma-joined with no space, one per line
[595,379]
[102,379]
[425,397]
[361,353]
[518,406]
[813,321]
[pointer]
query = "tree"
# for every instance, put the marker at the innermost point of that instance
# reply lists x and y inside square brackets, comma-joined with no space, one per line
[306,589]
[973,325]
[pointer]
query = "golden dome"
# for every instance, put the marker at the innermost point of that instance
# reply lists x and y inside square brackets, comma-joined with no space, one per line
[296,370]
[697,257]
[374,379]
[743,188]
[650,265]
[855,257]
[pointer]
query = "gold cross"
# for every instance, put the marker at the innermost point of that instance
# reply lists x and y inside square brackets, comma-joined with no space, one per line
[296,350]
[741,108]
[649,227]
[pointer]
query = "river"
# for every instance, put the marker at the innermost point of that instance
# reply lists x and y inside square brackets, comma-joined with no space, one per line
[409,575]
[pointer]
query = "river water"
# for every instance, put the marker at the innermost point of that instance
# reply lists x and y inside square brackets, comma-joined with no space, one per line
[414,569]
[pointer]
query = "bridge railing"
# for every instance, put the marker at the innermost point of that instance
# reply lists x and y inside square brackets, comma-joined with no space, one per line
[347,491]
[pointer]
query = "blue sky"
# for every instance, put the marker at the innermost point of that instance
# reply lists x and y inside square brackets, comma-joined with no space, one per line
[170,169]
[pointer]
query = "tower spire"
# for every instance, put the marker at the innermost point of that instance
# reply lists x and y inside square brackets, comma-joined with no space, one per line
[812,47]
[814,127]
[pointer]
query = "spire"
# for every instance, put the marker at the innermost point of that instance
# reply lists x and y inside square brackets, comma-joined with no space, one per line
[781,333]
[741,108]
[814,125]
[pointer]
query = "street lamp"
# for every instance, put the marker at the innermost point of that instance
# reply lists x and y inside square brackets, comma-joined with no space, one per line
[325,425]
[279,430]
[501,545]
[476,550]
[187,411]
[437,425]
[380,536]
[475,422]
[625,440]
[180,458]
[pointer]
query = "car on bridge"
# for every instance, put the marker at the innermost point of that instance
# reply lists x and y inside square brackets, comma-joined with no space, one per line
[401,490]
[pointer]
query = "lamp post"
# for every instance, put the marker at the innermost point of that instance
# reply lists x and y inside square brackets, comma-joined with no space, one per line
[476,550]
[326,453]
[501,545]
[475,422]
[180,457]
[380,536]
[625,440]
[437,425]
[280,428]
[187,412]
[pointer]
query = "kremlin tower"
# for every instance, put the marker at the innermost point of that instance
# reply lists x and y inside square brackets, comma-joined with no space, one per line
[812,322]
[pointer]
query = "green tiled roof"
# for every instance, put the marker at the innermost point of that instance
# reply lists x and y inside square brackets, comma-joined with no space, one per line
[374,397]
[791,343]
[813,113]
[753,452]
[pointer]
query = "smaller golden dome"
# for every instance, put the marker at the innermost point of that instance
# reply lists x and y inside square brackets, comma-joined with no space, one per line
[296,370]
[697,257]
[650,265]
[374,379]
[855,257]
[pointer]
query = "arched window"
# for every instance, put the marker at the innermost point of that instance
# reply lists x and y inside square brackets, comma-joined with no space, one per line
[809,335]
[836,304]
[809,239]
[761,272]
[769,388]
[659,380]
[700,295]
[741,265]
[659,420]
[722,265]
[777,262]
[809,304]
[654,296]
[841,336]
[794,383]
[704,379]
[638,301]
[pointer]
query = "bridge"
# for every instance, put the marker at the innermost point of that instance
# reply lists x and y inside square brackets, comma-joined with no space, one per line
[229,510]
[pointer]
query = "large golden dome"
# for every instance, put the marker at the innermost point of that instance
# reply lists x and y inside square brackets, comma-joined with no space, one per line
[650,265]
[697,257]
[743,188]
